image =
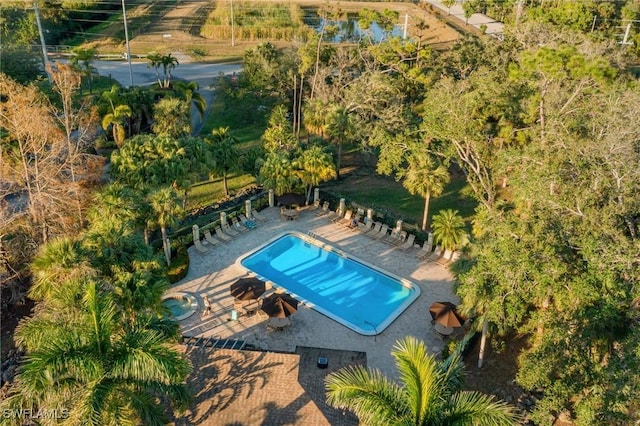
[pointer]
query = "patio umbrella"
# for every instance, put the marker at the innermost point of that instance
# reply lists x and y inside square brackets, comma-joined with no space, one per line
[247,288]
[290,198]
[446,314]
[279,305]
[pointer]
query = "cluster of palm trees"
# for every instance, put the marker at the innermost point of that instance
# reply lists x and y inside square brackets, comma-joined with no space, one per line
[290,165]
[98,344]
[164,108]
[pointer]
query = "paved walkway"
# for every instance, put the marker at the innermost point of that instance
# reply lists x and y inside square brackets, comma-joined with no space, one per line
[214,272]
[494,28]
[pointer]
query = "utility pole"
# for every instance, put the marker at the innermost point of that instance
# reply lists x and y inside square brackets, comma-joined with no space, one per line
[233,40]
[406,25]
[126,38]
[45,56]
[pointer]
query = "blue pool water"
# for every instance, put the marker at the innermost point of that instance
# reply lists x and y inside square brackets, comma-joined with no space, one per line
[350,291]
[178,306]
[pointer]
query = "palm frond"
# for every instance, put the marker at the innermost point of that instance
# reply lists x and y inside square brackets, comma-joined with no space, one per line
[452,368]
[151,360]
[146,407]
[474,408]
[373,398]
[419,374]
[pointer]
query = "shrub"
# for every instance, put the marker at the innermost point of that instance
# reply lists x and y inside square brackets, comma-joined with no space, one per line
[179,263]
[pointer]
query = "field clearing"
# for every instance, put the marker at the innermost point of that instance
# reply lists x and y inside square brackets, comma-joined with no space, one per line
[176,28]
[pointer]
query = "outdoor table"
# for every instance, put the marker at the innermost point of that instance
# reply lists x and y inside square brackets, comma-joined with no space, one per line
[442,330]
[291,214]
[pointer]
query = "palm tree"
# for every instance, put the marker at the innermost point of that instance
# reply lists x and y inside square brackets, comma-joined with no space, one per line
[423,178]
[223,154]
[189,92]
[448,229]
[155,61]
[316,167]
[340,129]
[81,60]
[101,370]
[166,205]
[429,393]
[171,117]
[116,119]
[57,269]
[114,201]
[138,287]
[315,117]
[168,64]
[113,243]
[277,172]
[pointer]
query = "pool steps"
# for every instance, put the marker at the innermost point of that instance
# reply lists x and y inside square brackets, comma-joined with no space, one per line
[213,342]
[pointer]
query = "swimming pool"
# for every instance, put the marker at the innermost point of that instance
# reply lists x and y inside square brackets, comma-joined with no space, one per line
[342,287]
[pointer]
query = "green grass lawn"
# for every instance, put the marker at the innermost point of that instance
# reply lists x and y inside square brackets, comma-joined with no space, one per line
[384,193]
[245,120]
[206,193]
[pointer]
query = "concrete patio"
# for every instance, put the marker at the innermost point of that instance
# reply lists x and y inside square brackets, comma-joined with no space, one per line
[212,273]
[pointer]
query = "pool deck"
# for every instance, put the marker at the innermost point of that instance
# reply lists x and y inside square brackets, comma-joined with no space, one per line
[214,272]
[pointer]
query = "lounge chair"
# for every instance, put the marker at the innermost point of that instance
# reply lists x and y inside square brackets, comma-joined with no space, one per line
[202,249]
[455,256]
[211,239]
[315,205]
[395,235]
[402,239]
[346,219]
[257,216]
[380,234]
[375,228]
[222,235]
[409,243]
[425,250]
[333,215]
[248,222]
[238,226]
[324,210]
[354,223]
[435,255]
[229,230]
[365,226]
[446,258]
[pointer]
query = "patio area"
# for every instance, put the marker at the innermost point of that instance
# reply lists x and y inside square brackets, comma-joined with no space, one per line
[212,274]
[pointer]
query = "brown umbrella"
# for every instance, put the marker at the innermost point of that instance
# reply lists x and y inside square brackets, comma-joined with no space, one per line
[279,305]
[291,198]
[446,314]
[247,288]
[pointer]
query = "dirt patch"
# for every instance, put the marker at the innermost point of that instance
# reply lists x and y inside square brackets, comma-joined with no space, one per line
[497,375]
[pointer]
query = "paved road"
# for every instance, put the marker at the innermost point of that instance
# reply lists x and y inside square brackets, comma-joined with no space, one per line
[494,28]
[203,74]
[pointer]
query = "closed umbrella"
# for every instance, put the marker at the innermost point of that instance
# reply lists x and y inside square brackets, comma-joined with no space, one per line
[446,314]
[279,305]
[248,288]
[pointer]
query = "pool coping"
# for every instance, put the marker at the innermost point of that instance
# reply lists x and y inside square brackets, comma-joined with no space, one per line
[416,291]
